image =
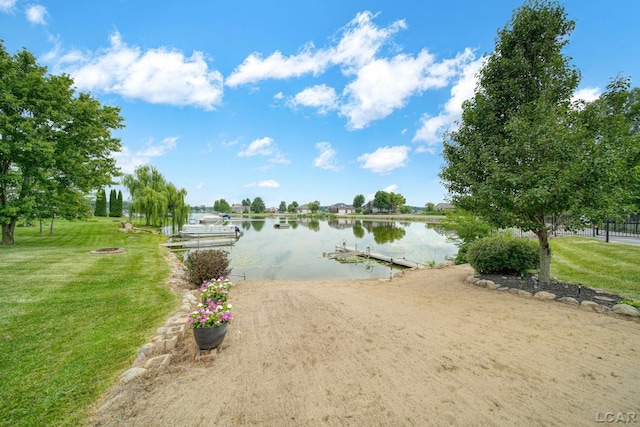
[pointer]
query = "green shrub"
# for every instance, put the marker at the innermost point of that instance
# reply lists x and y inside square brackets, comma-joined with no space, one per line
[503,255]
[206,265]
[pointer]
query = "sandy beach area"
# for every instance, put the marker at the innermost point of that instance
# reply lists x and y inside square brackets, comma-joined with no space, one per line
[423,349]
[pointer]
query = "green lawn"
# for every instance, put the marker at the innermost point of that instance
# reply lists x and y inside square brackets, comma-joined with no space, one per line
[591,262]
[72,321]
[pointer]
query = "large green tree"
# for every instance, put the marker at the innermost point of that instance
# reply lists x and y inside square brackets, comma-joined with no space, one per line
[258,206]
[358,202]
[523,152]
[222,206]
[51,139]
[387,202]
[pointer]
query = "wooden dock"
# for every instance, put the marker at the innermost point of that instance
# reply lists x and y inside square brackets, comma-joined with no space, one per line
[344,250]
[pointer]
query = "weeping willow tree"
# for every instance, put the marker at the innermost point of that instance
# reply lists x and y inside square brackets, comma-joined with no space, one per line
[159,201]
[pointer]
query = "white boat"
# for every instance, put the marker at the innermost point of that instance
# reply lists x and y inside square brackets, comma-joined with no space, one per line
[209,226]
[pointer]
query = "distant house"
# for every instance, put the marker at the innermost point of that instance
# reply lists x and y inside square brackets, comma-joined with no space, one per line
[341,208]
[304,209]
[273,210]
[368,207]
[238,208]
[444,207]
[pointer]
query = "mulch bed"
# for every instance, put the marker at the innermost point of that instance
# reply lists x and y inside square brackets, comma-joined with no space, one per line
[558,288]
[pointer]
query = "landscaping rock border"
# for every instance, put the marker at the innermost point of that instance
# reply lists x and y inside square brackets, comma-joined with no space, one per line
[156,354]
[582,296]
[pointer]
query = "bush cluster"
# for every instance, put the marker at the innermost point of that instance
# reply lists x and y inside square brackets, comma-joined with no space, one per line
[206,265]
[503,255]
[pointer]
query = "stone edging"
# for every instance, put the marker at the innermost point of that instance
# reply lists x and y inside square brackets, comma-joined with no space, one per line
[622,309]
[156,354]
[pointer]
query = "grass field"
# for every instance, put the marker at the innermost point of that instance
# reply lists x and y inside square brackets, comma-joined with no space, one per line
[591,262]
[72,321]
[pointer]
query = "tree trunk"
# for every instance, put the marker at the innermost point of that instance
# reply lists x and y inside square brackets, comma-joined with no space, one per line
[51,226]
[544,275]
[7,232]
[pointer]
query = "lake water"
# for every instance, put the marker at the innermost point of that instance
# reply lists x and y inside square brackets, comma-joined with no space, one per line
[264,252]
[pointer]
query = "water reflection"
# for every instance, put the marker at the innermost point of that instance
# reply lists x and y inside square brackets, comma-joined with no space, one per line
[266,252]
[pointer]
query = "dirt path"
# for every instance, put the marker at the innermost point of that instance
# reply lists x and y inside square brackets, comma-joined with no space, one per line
[424,349]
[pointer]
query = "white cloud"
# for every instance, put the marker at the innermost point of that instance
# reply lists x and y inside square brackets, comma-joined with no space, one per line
[431,129]
[588,94]
[265,147]
[383,86]
[322,97]
[327,157]
[379,85]
[159,76]
[7,6]
[358,45]
[361,41]
[128,161]
[259,147]
[276,66]
[391,188]
[385,159]
[36,14]
[270,183]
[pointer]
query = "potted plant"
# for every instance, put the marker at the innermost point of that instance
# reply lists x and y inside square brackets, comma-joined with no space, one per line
[211,318]
[215,290]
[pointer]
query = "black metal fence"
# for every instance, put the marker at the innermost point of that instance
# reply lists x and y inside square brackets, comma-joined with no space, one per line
[630,227]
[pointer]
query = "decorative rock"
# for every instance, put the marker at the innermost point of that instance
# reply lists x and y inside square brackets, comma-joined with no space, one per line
[600,308]
[503,289]
[176,330]
[626,310]
[180,320]
[569,300]
[185,307]
[170,344]
[471,279]
[545,295]
[482,283]
[161,330]
[514,290]
[147,349]
[524,293]
[131,374]
[601,298]
[140,360]
[492,286]
[590,305]
[158,361]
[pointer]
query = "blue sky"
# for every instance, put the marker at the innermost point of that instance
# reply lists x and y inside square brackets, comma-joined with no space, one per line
[295,100]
